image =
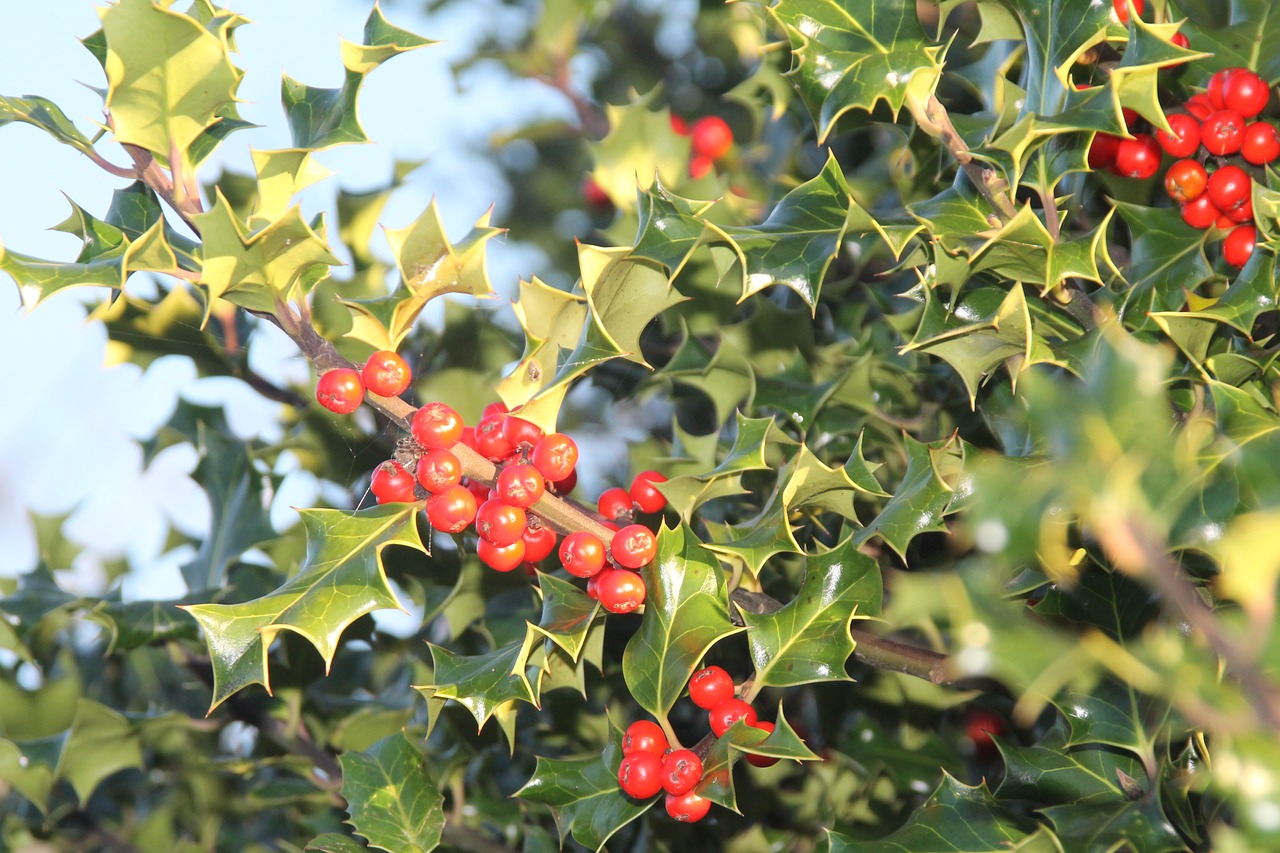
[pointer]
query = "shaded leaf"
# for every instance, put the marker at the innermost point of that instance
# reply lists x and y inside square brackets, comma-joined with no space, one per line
[391,797]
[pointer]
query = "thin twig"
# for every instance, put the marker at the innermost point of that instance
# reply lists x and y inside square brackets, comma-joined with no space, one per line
[933,119]
[149,171]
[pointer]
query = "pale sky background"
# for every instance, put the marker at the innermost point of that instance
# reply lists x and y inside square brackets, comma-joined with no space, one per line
[69,425]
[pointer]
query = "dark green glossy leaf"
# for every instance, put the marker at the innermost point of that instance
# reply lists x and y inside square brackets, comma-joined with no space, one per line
[921,500]
[567,614]
[483,683]
[391,797]
[686,612]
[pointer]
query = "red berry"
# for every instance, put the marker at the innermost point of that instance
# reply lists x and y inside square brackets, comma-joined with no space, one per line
[1229,187]
[634,546]
[392,484]
[565,486]
[711,137]
[710,686]
[582,554]
[340,390]
[688,807]
[640,775]
[1222,133]
[681,771]
[1261,143]
[491,443]
[1185,139]
[519,433]
[1185,180]
[1122,9]
[436,425]
[594,195]
[1238,245]
[762,760]
[1180,40]
[593,586]
[723,716]
[453,510]
[644,736]
[980,725]
[1200,212]
[645,495]
[1214,91]
[500,522]
[1224,222]
[1102,150]
[1245,92]
[494,409]
[386,374]
[614,503]
[520,485]
[1200,106]
[1243,213]
[1138,157]
[555,456]
[503,558]
[1130,117]
[620,591]
[439,470]
[539,542]
[699,166]
[679,125]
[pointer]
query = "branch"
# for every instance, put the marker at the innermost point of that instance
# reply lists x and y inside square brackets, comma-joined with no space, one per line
[1135,550]
[933,119]
[149,171]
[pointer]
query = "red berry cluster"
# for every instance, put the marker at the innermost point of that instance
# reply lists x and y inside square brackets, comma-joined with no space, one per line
[529,465]
[711,139]
[650,766]
[712,689]
[342,390]
[1218,127]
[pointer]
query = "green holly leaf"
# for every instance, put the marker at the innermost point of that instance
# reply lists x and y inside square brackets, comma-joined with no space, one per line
[726,376]
[552,320]
[808,640]
[1052,773]
[430,266]
[32,779]
[801,236]
[956,818]
[1057,32]
[332,842]
[923,497]
[382,41]
[167,79]
[1024,250]
[1113,714]
[484,683]
[341,579]
[240,517]
[1166,261]
[670,227]
[142,623]
[256,268]
[391,797]
[686,612]
[46,115]
[322,118]
[852,54]
[282,174]
[584,796]
[1140,824]
[568,614]
[1250,28]
[640,147]
[1251,294]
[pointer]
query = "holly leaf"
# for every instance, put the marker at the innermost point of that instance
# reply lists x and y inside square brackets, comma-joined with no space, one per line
[956,818]
[430,266]
[167,79]
[341,579]
[240,517]
[255,268]
[584,795]
[795,245]
[1141,824]
[641,146]
[142,623]
[322,118]
[670,227]
[46,115]
[1166,261]
[282,174]
[1251,28]
[852,54]
[332,842]
[552,320]
[391,798]
[923,497]
[567,614]
[1110,713]
[686,612]
[808,640]
[483,683]
[1052,773]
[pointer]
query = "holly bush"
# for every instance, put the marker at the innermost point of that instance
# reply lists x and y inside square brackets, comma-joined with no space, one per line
[961,432]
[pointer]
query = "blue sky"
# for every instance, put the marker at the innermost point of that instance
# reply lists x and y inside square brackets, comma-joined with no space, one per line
[68,435]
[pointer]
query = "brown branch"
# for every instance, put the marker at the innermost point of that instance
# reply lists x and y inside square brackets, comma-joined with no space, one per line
[933,119]
[148,170]
[1135,550]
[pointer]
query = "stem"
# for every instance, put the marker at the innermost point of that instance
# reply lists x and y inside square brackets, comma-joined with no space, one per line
[933,119]
[149,171]
[1135,550]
